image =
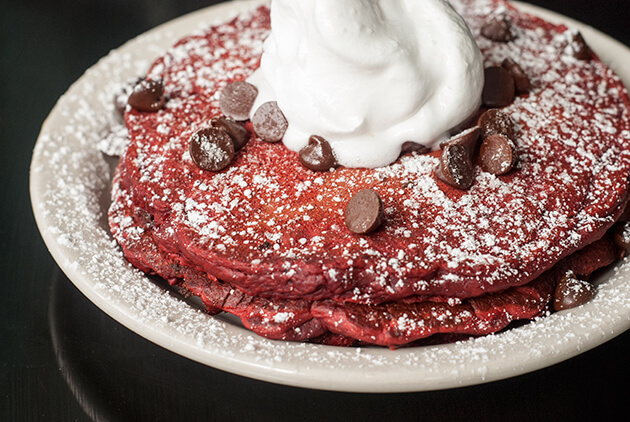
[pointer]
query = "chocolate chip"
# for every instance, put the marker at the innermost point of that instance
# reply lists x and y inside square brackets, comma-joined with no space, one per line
[577,47]
[264,246]
[147,95]
[364,212]
[497,29]
[497,154]
[269,122]
[455,168]
[211,149]
[317,155]
[521,81]
[237,99]
[237,132]
[498,89]
[467,138]
[410,146]
[621,236]
[571,292]
[496,121]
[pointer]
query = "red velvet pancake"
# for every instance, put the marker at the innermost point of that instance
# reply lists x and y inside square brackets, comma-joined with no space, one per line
[339,323]
[265,238]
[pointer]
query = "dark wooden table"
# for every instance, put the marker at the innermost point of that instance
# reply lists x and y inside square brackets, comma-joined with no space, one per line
[63,359]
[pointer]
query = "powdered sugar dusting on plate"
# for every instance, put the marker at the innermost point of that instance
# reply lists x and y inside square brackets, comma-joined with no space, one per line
[70,181]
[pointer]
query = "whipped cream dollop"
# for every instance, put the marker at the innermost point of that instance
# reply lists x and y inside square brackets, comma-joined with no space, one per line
[369,75]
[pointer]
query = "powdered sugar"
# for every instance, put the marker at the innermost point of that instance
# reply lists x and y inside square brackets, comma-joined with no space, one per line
[70,191]
[553,201]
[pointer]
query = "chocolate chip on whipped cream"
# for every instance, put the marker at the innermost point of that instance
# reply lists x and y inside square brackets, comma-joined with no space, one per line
[499,88]
[497,154]
[495,121]
[211,149]
[364,212]
[455,167]
[317,155]
[571,292]
[498,28]
[237,99]
[269,122]
[147,95]
[237,132]
[521,80]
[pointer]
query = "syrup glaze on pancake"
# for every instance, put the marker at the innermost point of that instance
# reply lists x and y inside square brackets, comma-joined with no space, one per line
[271,228]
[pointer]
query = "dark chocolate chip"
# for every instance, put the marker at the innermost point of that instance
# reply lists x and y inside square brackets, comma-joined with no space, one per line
[364,212]
[264,246]
[455,168]
[497,29]
[317,155]
[467,138]
[269,122]
[237,99]
[497,154]
[521,81]
[410,146]
[571,292]
[577,47]
[499,88]
[237,132]
[211,149]
[495,121]
[147,95]
[621,237]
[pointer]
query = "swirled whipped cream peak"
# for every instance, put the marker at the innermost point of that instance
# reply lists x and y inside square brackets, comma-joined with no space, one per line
[369,75]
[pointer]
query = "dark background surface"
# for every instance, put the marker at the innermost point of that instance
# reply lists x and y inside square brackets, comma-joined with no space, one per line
[62,359]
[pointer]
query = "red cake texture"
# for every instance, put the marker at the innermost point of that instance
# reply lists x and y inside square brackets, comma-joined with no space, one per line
[265,238]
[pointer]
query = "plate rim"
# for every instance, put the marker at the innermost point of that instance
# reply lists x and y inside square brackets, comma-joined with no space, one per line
[366,377]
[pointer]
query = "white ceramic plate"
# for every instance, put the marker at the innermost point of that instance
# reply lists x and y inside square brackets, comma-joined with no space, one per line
[70,183]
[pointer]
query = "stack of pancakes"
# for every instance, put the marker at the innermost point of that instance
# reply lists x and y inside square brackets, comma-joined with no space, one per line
[265,238]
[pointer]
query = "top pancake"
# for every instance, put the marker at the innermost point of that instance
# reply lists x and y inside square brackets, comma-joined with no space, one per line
[271,227]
